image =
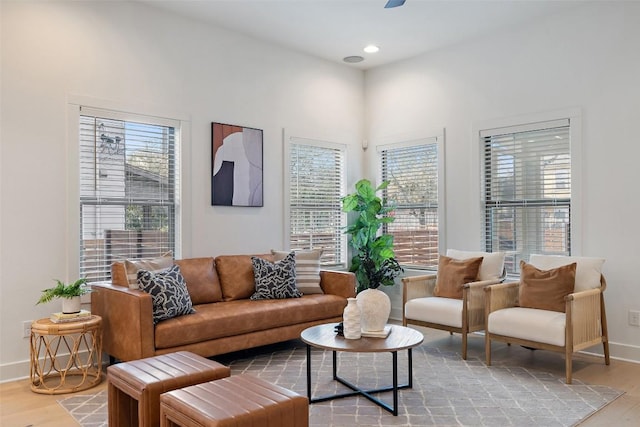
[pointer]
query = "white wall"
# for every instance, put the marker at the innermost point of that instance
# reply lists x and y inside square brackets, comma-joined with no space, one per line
[587,57]
[137,58]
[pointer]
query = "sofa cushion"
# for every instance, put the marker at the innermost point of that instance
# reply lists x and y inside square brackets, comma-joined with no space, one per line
[230,318]
[202,279]
[275,280]
[453,274]
[545,289]
[154,264]
[236,275]
[168,291]
[307,269]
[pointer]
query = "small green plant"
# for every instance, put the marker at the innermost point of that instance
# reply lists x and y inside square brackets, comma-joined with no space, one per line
[373,260]
[62,290]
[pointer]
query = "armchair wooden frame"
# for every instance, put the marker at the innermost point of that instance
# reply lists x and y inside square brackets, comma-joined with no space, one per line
[473,305]
[585,325]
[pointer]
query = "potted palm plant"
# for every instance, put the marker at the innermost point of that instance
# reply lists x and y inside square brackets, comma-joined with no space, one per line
[373,260]
[69,293]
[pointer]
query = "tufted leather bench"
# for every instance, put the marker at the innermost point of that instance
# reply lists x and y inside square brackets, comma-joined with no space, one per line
[239,401]
[134,388]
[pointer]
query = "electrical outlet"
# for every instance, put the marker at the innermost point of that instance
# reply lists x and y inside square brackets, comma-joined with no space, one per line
[634,317]
[26,328]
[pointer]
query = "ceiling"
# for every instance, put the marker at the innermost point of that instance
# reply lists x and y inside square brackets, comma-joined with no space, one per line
[334,29]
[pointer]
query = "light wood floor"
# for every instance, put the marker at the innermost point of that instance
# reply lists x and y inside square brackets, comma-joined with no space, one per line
[19,407]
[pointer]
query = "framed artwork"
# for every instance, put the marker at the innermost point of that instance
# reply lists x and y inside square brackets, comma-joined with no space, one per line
[236,165]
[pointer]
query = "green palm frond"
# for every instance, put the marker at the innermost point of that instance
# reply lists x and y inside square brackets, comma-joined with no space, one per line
[62,290]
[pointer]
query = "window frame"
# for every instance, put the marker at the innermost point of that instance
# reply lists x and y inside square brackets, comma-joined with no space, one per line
[438,138]
[80,105]
[289,140]
[531,121]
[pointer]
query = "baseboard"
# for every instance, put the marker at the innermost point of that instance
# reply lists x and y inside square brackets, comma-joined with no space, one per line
[628,353]
[14,371]
[20,370]
[617,351]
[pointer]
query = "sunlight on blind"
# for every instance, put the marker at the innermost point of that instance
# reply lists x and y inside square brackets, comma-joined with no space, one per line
[316,188]
[128,185]
[412,172]
[527,192]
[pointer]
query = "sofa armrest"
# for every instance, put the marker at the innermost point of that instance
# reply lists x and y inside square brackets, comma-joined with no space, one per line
[127,321]
[341,283]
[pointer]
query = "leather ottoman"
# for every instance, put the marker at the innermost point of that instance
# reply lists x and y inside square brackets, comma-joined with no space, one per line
[134,388]
[239,401]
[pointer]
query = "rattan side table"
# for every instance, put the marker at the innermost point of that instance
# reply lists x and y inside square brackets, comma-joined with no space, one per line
[66,357]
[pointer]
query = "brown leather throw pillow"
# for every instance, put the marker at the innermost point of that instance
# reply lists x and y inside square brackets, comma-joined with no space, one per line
[453,274]
[546,289]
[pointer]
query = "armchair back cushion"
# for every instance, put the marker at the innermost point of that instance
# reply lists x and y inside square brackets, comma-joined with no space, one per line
[492,263]
[453,274]
[588,269]
[546,289]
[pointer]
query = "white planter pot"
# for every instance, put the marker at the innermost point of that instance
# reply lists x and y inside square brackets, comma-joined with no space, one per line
[71,305]
[375,308]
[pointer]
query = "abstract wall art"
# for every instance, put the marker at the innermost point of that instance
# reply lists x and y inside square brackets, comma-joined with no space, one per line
[236,165]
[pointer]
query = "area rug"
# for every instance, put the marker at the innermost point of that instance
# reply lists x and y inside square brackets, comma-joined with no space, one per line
[447,391]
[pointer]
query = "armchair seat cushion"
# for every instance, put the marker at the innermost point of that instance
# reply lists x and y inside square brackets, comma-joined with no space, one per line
[532,324]
[443,311]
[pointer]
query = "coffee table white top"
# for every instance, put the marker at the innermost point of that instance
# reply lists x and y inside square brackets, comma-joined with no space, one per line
[325,337]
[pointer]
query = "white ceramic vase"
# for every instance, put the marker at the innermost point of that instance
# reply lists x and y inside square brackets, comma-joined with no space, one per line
[71,305]
[351,320]
[375,308]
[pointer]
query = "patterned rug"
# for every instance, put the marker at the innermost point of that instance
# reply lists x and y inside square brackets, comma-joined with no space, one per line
[447,391]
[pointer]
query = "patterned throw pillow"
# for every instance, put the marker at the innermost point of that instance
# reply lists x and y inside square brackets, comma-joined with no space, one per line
[275,280]
[307,269]
[168,291]
[154,265]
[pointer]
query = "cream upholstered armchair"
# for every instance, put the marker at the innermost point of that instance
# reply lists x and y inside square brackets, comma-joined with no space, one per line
[462,313]
[578,320]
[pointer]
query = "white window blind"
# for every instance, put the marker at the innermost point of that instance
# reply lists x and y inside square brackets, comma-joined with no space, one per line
[527,191]
[316,187]
[412,172]
[128,187]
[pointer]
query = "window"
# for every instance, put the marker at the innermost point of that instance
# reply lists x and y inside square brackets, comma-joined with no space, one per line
[316,186]
[128,188]
[527,191]
[412,172]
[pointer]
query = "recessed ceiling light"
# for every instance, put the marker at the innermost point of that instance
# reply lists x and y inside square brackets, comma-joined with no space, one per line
[353,59]
[371,48]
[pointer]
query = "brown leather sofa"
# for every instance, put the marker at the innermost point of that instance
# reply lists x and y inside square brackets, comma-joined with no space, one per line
[225,320]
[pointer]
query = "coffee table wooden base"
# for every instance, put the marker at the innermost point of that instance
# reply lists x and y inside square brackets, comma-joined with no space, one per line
[359,391]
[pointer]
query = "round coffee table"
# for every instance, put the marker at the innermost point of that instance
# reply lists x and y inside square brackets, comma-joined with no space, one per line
[400,338]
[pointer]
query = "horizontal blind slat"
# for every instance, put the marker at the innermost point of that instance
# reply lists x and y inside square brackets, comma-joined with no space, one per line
[128,187]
